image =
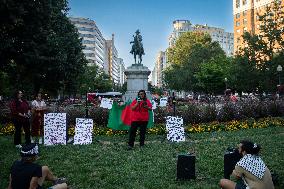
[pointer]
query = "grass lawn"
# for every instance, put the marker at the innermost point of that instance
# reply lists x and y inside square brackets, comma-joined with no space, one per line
[109,165]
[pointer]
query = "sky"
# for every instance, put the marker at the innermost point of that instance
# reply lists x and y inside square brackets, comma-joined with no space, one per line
[154,19]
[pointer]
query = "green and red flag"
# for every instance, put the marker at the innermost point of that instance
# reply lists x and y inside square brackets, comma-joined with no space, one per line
[120,117]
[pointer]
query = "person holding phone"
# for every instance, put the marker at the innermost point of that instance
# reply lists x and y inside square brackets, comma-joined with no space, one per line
[139,119]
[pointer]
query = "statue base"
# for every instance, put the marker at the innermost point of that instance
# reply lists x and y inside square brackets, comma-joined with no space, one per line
[137,79]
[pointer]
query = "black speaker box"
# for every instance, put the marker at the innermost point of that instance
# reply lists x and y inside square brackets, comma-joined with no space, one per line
[230,160]
[186,167]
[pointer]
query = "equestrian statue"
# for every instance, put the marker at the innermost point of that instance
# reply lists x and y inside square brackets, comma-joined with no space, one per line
[137,47]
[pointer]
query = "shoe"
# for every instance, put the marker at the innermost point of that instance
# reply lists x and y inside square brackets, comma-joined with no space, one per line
[60,181]
[18,146]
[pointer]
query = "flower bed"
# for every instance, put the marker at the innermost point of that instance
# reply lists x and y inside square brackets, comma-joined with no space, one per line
[159,129]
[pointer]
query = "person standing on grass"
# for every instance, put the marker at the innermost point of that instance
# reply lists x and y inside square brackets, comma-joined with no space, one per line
[38,108]
[139,118]
[250,171]
[20,111]
[25,174]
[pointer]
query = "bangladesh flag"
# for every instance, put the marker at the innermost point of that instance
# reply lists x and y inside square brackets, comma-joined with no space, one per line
[120,117]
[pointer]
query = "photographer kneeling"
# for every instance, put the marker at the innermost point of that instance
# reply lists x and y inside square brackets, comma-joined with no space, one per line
[250,171]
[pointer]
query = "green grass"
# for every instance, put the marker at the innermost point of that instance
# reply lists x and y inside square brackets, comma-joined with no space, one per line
[110,165]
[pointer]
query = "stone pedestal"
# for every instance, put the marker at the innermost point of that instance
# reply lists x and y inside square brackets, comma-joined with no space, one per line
[137,79]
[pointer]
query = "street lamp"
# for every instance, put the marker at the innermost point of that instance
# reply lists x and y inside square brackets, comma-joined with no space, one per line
[279,70]
[226,81]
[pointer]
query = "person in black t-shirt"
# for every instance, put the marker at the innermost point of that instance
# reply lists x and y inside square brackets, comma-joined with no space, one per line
[25,174]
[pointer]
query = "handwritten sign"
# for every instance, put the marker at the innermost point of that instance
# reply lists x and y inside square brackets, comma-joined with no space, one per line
[174,128]
[163,102]
[54,129]
[154,104]
[83,131]
[106,103]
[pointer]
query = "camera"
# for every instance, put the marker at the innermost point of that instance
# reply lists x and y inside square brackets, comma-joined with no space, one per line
[231,157]
[138,99]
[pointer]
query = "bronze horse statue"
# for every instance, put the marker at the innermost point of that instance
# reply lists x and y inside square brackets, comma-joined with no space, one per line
[137,47]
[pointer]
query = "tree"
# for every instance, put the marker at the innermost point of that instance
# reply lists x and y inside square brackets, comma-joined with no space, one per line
[191,50]
[94,79]
[43,49]
[210,78]
[260,50]
[243,75]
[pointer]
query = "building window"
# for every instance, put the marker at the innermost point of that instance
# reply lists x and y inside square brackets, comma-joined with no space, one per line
[245,21]
[244,2]
[238,40]
[237,23]
[238,31]
[237,3]
[238,15]
[244,13]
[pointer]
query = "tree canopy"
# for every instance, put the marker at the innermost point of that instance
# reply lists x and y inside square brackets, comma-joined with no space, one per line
[40,48]
[189,56]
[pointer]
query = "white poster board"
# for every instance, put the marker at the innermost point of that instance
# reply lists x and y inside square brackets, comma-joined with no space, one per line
[106,103]
[174,128]
[54,129]
[163,101]
[83,131]
[154,104]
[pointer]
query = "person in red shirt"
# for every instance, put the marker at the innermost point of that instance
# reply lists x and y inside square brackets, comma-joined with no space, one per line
[139,118]
[20,111]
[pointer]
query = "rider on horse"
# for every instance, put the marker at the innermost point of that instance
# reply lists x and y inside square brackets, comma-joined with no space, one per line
[137,47]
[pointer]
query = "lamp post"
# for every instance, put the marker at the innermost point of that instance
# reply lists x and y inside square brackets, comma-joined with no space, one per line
[226,82]
[279,70]
[86,107]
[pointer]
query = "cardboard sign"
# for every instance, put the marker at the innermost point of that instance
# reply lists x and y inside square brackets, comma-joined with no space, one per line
[106,103]
[83,131]
[175,129]
[54,129]
[154,104]
[163,102]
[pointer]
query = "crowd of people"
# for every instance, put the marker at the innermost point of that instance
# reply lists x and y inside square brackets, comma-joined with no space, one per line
[250,172]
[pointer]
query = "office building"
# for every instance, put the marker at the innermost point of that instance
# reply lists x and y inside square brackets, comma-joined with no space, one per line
[93,41]
[246,18]
[121,70]
[112,67]
[225,39]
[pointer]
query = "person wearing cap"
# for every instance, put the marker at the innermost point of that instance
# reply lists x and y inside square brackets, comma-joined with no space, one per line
[251,172]
[25,174]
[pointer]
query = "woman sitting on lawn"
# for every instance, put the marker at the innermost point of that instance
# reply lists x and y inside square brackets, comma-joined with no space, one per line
[25,174]
[250,171]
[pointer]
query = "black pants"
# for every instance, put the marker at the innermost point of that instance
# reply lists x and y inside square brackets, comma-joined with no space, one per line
[18,129]
[133,129]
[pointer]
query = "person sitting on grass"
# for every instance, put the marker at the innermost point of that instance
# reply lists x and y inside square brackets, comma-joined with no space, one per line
[250,171]
[25,174]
